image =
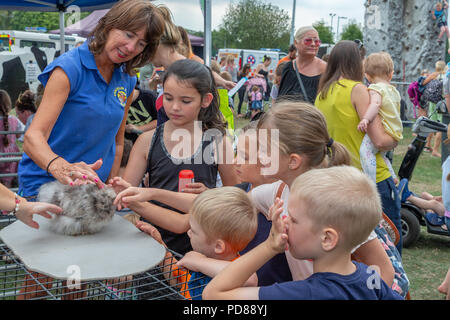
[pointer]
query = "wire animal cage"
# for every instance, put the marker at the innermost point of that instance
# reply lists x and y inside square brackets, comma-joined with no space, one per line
[162,282]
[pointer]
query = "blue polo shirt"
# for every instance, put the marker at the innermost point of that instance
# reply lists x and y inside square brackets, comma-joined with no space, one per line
[89,121]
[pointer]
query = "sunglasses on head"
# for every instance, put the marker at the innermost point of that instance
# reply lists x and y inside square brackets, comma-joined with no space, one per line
[309,41]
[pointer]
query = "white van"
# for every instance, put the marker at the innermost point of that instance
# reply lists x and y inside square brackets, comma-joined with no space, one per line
[252,57]
[12,40]
[24,55]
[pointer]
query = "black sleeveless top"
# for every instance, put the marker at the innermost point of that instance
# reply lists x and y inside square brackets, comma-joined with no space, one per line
[163,172]
[290,86]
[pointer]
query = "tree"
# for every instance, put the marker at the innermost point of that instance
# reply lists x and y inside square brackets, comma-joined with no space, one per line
[325,34]
[352,31]
[18,20]
[253,24]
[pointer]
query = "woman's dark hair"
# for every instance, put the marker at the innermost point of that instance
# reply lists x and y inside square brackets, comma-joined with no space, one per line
[5,108]
[130,15]
[26,101]
[266,58]
[245,68]
[344,61]
[200,77]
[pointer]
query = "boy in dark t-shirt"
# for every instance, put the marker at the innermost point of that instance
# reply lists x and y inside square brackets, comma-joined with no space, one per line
[331,211]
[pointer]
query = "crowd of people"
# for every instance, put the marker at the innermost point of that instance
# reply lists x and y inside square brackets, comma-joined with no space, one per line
[271,213]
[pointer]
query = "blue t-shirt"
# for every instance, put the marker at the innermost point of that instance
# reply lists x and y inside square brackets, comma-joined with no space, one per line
[89,121]
[197,283]
[363,284]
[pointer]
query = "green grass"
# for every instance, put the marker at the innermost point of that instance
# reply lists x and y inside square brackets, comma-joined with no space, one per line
[427,261]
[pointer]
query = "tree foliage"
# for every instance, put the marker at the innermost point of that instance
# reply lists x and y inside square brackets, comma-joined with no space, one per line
[352,31]
[325,34]
[253,24]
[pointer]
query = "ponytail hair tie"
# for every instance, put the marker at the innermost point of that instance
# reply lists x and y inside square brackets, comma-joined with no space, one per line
[330,143]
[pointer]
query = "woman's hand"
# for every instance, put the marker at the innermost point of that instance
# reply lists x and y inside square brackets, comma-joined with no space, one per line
[76,173]
[28,209]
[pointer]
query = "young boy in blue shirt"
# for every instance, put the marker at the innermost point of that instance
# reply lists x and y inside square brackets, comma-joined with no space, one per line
[330,211]
[222,222]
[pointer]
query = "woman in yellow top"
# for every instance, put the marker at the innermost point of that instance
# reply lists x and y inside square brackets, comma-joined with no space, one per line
[344,100]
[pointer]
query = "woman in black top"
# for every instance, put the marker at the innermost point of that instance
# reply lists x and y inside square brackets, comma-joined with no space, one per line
[306,69]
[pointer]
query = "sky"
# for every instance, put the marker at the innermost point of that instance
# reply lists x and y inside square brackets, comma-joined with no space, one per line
[188,14]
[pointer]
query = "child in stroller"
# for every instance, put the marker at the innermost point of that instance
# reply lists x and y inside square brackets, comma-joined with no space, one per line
[256,87]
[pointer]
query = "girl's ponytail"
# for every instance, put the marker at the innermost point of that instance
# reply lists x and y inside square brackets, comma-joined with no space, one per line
[302,129]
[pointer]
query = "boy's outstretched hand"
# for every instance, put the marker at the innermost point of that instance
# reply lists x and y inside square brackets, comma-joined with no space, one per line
[278,238]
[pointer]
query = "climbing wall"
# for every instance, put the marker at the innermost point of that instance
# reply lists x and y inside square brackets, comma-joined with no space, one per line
[406,30]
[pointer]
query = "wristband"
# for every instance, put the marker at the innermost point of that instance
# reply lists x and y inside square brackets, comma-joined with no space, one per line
[51,163]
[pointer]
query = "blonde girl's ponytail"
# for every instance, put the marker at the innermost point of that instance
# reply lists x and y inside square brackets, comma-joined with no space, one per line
[302,129]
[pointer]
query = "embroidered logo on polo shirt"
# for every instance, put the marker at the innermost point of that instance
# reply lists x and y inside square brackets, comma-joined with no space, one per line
[121,94]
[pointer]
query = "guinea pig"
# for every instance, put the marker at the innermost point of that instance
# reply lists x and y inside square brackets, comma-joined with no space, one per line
[86,208]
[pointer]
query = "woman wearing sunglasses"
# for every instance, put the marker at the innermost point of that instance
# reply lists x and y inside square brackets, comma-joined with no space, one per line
[300,78]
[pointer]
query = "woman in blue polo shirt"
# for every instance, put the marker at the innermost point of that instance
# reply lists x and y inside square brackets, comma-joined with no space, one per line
[77,133]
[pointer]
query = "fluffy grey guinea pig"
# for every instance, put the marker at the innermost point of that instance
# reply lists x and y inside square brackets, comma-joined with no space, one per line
[86,208]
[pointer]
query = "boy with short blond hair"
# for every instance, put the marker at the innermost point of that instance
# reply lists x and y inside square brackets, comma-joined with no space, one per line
[222,222]
[330,212]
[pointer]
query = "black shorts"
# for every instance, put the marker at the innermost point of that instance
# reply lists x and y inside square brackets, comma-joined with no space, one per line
[442,24]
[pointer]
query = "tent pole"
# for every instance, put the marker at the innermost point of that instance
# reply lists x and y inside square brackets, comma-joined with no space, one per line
[61,30]
[207,32]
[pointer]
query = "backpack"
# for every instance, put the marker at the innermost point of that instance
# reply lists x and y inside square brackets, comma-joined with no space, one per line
[433,91]
[414,93]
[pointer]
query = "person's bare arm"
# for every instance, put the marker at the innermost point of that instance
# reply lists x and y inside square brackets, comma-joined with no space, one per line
[375,130]
[178,200]
[120,140]
[35,139]
[167,219]
[374,106]
[137,162]
[198,262]
[372,253]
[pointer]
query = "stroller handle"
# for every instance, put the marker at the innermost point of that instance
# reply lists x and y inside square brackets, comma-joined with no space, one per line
[425,125]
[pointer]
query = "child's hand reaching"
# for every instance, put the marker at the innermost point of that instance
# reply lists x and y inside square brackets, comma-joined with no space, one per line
[150,230]
[118,184]
[27,209]
[278,237]
[191,260]
[362,126]
[132,195]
